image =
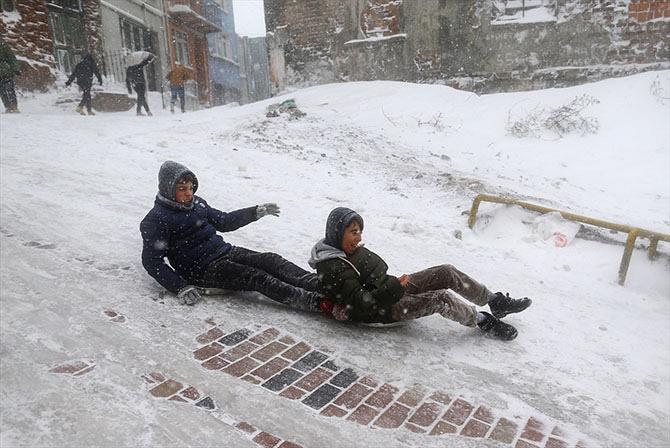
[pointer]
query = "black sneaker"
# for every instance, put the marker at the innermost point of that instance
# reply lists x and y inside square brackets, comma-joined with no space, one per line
[502,305]
[496,328]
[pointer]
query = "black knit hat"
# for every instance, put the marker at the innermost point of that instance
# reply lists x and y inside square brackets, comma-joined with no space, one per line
[338,220]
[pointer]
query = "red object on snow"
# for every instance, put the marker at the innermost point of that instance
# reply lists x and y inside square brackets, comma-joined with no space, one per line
[326,306]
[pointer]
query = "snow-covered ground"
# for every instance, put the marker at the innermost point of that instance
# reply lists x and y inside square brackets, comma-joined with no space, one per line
[410,158]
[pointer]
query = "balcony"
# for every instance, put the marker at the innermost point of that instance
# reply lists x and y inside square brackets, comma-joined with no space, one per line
[186,14]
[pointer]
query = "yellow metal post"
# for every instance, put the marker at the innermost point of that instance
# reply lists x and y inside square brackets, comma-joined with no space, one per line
[633,232]
[627,253]
[653,244]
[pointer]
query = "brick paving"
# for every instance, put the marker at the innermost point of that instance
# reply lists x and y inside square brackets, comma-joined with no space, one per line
[76,368]
[295,370]
[161,387]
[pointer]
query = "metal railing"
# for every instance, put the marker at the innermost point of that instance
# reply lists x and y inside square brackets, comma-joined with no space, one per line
[633,232]
[114,65]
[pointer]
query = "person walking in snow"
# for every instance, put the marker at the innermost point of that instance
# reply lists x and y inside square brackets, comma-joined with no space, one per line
[135,80]
[356,280]
[83,72]
[182,228]
[177,77]
[9,67]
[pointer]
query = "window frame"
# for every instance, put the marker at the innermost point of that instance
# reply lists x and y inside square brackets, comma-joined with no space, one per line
[181,48]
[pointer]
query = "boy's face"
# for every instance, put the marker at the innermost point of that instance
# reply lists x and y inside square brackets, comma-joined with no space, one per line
[351,238]
[184,193]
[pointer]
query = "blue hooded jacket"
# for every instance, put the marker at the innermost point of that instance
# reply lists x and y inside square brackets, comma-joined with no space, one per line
[185,234]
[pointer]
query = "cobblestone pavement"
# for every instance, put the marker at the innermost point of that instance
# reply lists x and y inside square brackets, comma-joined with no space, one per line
[294,370]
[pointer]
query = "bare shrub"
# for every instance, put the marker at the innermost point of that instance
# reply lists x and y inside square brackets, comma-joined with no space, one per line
[562,120]
[660,91]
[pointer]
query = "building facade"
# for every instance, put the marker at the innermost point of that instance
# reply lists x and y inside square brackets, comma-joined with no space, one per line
[482,45]
[254,69]
[187,29]
[224,69]
[49,36]
[132,25]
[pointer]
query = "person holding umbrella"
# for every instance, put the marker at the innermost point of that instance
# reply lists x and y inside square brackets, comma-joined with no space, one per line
[135,79]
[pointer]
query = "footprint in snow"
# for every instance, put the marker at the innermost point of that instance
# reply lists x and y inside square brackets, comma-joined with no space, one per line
[37,245]
[115,316]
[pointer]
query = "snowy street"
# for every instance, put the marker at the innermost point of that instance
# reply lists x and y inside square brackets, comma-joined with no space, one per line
[83,326]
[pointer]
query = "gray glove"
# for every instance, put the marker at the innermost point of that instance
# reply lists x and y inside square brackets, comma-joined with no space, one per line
[267,209]
[189,295]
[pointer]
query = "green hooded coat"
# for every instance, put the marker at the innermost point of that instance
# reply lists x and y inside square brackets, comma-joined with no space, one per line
[9,66]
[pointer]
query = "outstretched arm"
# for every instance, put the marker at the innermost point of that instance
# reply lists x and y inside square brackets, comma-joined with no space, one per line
[130,90]
[72,76]
[227,222]
[96,72]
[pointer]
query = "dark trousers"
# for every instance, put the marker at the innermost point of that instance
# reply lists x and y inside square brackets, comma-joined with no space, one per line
[177,91]
[85,98]
[268,273]
[8,94]
[141,90]
[430,292]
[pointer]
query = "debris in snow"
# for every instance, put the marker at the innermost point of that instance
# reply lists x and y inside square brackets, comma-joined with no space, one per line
[287,106]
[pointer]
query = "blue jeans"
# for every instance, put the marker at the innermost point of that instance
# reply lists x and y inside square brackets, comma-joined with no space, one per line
[177,91]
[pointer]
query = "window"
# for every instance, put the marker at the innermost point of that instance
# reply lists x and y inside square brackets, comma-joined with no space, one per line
[67,31]
[180,41]
[72,5]
[220,46]
[132,36]
[8,5]
[526,11]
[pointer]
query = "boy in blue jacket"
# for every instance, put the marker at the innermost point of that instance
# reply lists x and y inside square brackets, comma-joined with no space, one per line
[182,228]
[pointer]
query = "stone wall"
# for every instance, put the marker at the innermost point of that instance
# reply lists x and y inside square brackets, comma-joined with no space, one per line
[464,43]
[312,29]
[26,30]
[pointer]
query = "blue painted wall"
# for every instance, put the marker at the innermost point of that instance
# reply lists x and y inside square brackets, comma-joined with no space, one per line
[222,71]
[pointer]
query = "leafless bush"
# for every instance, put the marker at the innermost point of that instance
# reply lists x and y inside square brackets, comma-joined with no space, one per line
[435,122]
[660,91]
[562,120]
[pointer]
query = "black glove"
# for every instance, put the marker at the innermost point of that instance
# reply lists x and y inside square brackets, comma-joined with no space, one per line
[67,84]
[189,295]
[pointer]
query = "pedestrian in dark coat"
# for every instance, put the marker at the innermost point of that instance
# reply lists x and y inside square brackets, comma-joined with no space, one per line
[182,228]
[356,280]
[83,73]
[9,67]
[135,79]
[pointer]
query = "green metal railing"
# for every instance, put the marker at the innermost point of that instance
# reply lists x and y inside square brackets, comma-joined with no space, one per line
[633,232]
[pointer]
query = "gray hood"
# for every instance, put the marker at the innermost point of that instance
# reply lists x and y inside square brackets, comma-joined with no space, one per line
[322,252]
[168,176]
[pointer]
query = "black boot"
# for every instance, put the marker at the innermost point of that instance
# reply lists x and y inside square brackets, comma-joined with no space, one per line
[497,328]
[502,305]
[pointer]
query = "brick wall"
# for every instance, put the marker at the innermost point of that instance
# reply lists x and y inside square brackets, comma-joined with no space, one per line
[381,17]
[30,39]
[93,27]
[591,39]
[643,11]
[312,28]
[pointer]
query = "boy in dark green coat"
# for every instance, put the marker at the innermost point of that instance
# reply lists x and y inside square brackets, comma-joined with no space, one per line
[356,280]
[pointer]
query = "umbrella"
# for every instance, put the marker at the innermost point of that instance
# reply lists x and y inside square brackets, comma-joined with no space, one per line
[136,57]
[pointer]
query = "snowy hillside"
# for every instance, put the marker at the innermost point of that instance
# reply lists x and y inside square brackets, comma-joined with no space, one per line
[592,358]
